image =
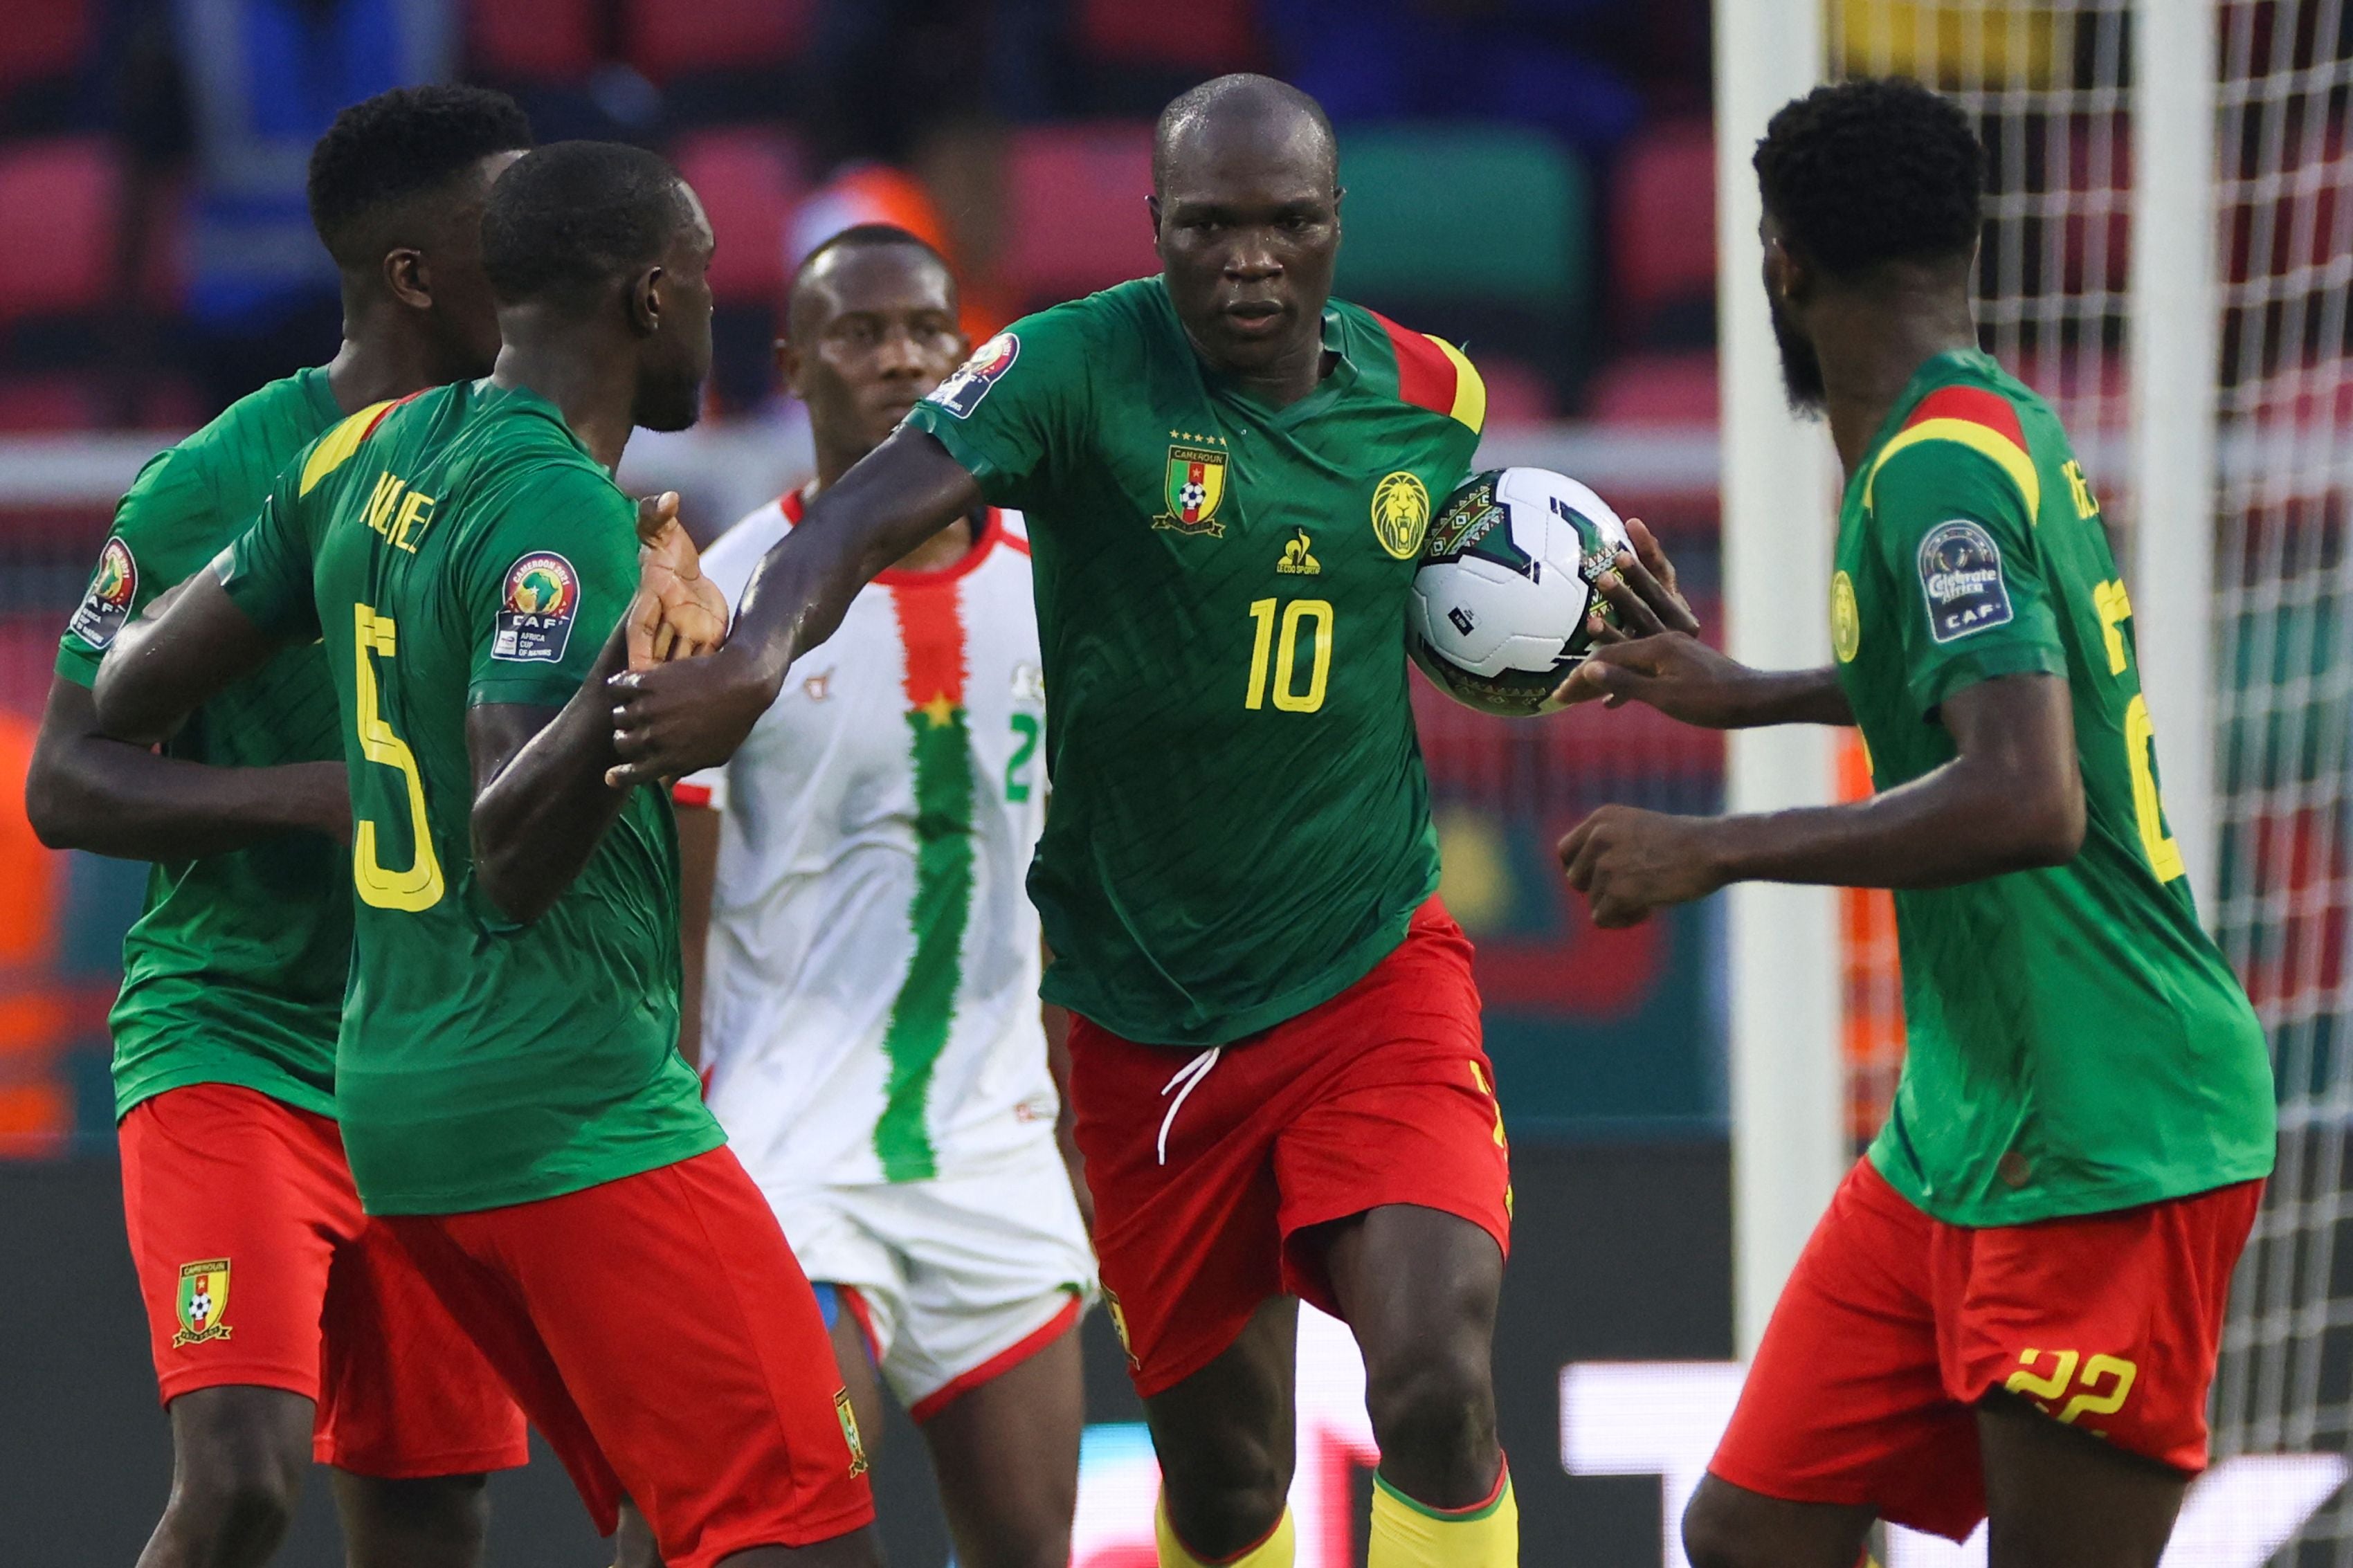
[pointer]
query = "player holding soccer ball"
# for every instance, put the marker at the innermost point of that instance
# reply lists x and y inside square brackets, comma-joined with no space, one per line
[1275,1063]
[872,1041]
[285,1323]
[2013,1306]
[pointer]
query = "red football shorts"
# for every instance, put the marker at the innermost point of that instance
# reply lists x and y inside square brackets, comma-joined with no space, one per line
[257,1268]
[1205,1172]
[664,1342]
[1895,1324]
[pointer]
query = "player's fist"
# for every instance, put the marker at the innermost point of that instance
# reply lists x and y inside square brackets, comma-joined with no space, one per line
[678,613]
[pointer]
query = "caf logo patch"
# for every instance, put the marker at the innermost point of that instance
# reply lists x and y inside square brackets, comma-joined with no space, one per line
[112,590]
[1846,621]
[961,393]
[534,619]
[204,1302]
[848,1419]
[1401,514]
[1961,575]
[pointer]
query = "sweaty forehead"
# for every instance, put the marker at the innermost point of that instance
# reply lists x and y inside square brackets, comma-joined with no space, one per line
[1275,153]
[880,280]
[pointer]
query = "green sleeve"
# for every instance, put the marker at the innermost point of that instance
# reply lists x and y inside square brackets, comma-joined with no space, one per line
[1016,412]
[544,581]
[267,572]
[164,502]
[1960,549]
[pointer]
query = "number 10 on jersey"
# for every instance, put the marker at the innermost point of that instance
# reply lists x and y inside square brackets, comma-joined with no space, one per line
[1297,618]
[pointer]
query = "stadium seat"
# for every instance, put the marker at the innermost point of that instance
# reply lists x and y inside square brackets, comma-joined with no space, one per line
[43,38]
[63,264]
[49,404]
[1491,213]
[532,40]
[1655,389]
[1075,219]
[665,38]
[1213,36]
[1663,223]
[1517,394]
[750,180]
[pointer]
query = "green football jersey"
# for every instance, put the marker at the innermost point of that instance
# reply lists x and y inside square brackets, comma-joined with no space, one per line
[463,547]
[2075,1041]
[1240,826]
[234,972]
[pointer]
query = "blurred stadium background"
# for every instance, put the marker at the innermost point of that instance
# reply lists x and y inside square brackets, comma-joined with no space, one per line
[1535,178]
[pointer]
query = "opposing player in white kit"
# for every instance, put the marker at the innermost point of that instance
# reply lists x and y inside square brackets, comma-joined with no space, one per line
[871,1029]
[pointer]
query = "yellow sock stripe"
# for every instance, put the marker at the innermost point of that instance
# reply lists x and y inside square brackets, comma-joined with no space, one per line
[1470,391]
[1409,1534]
[1276,1550]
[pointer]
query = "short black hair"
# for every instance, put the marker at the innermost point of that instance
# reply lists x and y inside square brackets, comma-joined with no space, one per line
[384,150]
[1872,171]
[575,216]
[866,237]
[1242,90]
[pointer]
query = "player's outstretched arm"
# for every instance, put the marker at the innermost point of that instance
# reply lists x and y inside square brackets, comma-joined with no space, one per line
[694,713]
[85,790]
[2011,801]
[540,803]
[193,643]
[1684,678]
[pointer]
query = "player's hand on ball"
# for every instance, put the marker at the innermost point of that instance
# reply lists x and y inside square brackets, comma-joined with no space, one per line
[678,613]
[1643,598]
[1675,673]
[686,714]
[1628,862]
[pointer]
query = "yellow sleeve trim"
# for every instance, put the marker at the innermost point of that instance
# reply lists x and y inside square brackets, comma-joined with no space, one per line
[2007,455]
[1470,391]
[336,447]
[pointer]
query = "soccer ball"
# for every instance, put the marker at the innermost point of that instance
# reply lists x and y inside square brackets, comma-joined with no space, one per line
[1508,574]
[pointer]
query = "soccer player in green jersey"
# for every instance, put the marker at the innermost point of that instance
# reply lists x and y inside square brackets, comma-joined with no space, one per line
[1276,1065]
[233,1169]
[2013,1306]
[512,1093]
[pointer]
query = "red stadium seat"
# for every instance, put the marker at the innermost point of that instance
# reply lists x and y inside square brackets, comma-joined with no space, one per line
[64,263]
[47,405]
[1656,389]
[1075,212]
[1516,393]
[532,40]
[1662,232]
[43,38]
[664,38]
[750,180]
[1208,35]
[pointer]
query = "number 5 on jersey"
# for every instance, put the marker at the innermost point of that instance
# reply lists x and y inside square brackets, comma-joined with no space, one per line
[418,887]
[2141,740]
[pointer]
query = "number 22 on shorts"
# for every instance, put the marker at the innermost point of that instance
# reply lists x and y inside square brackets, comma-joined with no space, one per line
[419,886]
[2045,1392]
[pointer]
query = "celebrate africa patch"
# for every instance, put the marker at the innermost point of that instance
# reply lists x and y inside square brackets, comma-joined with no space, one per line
[112,590]
[961,393]
[1960,573]
[534,620]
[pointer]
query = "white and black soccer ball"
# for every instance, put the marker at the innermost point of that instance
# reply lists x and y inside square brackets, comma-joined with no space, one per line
[1497,617]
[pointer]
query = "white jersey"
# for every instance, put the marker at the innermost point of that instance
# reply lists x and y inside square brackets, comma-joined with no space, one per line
[871,985]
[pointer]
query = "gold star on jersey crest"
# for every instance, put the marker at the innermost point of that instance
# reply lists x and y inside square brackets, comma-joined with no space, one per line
[939,710]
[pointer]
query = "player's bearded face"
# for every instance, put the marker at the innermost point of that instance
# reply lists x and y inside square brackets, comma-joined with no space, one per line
[1801,367]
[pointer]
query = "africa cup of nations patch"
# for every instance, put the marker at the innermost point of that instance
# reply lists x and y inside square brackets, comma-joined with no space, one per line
[1960,573]
[204,1302]
[534,620]
[961,393]
[108,604]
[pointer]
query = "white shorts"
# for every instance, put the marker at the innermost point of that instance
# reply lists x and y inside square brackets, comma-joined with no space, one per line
[960,1277]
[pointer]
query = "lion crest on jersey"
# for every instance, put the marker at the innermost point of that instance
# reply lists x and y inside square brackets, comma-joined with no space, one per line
[1401,514]
[204,1302]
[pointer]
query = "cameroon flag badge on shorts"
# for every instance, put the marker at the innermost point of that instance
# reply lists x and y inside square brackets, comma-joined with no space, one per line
[204,1302]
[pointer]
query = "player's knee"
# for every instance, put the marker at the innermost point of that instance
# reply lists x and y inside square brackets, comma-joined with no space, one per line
[1225,1499]
[1435,1404]
[241,1497]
